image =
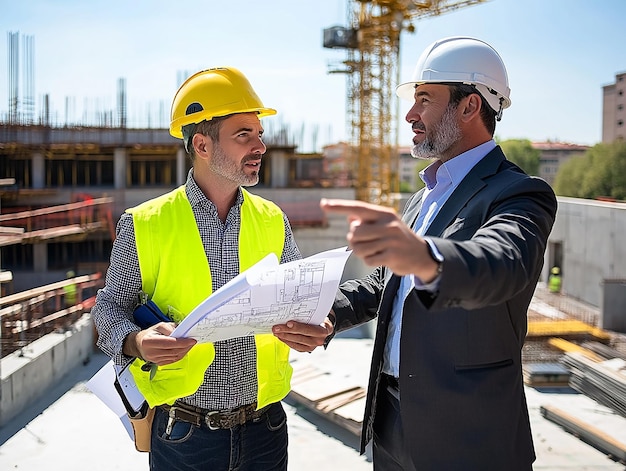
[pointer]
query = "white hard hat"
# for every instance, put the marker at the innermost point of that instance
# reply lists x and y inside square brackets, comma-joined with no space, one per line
[462,60]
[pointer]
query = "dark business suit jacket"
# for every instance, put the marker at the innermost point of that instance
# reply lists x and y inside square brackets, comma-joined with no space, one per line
[462,398]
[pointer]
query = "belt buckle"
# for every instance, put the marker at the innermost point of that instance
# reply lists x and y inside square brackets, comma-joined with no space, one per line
[207,420]
[228,419]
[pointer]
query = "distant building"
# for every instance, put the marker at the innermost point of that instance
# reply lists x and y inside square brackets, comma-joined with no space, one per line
[614,109]
[407,170]
[553,155]
[339,165]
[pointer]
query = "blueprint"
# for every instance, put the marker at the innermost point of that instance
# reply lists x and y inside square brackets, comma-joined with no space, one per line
[268,294]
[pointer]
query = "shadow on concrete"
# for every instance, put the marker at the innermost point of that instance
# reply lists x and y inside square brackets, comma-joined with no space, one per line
[329,428]
[49,397]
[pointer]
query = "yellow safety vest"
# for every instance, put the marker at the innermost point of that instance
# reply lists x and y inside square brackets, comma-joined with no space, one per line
[70,294]
[554,283]
[175,273]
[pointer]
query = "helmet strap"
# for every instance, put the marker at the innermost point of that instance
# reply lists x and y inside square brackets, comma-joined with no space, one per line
[499,113]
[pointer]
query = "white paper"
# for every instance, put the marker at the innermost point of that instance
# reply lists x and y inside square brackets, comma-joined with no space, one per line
[241,283]
[268,294]
[127,382]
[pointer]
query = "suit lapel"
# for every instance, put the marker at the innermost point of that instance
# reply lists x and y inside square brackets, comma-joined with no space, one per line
[392,282]
[473,182]
[413,207]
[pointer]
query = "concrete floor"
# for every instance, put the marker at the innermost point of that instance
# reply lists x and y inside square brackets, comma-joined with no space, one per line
[69,429]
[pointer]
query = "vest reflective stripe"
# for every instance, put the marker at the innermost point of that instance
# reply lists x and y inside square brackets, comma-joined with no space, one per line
[176,274]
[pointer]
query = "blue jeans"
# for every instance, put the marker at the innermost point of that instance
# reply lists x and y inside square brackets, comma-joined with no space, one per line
[259,445]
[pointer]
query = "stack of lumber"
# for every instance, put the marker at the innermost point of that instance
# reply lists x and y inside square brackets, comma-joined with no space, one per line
[596,437]
[538,375]
[603,381]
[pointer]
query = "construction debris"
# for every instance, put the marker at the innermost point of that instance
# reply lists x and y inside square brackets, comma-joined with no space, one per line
[603,381]
[586,432]
[539,375]
[566,346]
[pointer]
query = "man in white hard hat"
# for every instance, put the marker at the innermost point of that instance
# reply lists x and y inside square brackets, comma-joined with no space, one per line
[455,275]
[213,405]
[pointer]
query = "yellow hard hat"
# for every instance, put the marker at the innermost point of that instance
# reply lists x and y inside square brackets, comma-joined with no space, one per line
[220,91]
[555,270]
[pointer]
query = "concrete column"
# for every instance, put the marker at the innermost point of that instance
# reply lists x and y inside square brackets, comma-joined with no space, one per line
[40,257]
[119,168]
[280,169]
[38,171]
[181,176]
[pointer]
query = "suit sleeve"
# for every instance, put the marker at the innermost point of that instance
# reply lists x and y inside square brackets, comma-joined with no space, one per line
[498,251]
[357,301]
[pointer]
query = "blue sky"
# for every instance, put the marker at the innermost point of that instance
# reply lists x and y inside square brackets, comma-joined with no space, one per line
[559,54]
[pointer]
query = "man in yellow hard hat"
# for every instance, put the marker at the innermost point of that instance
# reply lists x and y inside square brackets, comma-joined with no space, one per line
[216,406]
[69,291]
[554,280]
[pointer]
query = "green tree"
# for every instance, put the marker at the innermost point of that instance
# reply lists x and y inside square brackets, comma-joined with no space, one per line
[600,172]
[569,177]
[522,153]
[421,165]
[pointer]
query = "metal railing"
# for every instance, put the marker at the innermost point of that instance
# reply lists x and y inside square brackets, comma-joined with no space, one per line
[29,315]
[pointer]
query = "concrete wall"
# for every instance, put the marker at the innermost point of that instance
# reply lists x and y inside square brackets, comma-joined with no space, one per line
[27,374]
[591,234]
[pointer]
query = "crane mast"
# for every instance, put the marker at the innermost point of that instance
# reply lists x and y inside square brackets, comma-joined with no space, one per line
[372,42]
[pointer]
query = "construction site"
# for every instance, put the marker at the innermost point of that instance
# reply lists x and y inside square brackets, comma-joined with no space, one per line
[63,188]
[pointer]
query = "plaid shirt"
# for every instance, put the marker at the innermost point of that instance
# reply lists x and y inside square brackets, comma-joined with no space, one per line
[231,380]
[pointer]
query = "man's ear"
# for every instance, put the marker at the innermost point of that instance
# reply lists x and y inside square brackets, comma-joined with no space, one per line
[471,107]
[202,145]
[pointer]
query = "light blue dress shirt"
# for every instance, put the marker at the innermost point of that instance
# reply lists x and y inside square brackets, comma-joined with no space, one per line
[441,180]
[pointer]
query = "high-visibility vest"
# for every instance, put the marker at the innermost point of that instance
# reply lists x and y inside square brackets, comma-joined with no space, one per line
[175,273]
[70,294]
[554,283]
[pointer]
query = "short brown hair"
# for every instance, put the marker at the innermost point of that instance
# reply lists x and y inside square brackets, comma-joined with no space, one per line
[210,128]
[458,91]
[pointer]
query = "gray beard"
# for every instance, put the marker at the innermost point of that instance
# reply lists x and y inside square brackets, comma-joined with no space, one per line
[225,167]
[445,134]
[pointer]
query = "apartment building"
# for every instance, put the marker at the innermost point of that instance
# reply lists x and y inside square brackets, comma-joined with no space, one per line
[614,109]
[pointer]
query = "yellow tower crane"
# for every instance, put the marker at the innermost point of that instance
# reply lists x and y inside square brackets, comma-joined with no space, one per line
[372,42]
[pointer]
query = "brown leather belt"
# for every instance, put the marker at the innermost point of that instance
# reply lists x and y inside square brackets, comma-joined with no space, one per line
[213,419]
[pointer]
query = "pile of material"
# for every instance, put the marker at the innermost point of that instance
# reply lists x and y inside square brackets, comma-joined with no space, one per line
[603,381]
[541,375]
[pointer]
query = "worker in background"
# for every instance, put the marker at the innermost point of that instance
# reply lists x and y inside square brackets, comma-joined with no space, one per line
[69,291]
[454,277]
[217,405]
[554,280]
